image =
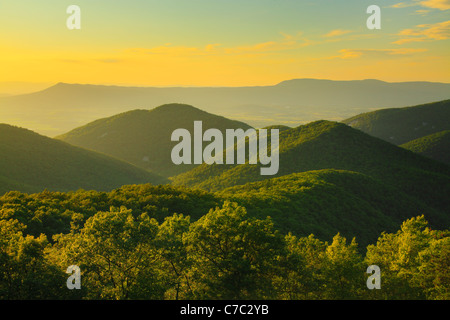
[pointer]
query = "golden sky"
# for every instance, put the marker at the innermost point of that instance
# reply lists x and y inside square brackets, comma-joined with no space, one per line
[222,43]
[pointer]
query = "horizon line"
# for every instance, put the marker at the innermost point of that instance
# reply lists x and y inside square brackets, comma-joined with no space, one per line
[4,94]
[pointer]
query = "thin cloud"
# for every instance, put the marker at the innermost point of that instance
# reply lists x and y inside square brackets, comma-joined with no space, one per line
[422,12]
[403,5]
[354,53]
[108,60]
[288,42]
[336,33]
[434,4]
[425,32]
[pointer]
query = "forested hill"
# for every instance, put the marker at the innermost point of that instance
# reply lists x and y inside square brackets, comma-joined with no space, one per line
[30,162]
[143,137]
[332,145]
[325,202]
[133,243]
[401,125]
[435,146]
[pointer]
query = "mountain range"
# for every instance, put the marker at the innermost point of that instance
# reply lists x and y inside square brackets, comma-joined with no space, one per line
[332,145]
[422,128]
[63,107]
[361,176]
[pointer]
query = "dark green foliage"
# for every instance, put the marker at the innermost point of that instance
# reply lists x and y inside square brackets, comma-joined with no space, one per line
[234,255]
[31,163]
[435,146]
[321,202]
[226,254]
[400,125]
[414,261]
[115,250]
[328,202]
[55,212]
[331,145]
[256,237]
[143,137]
[26,270]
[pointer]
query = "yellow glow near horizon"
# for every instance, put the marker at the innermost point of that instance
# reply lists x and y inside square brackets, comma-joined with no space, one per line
[215,66]
[115,46]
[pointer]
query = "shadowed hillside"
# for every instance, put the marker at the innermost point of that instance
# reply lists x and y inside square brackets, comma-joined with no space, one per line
[326,202]
[143,137]
[435,146]
[331,145]
[31,163]
[401,125]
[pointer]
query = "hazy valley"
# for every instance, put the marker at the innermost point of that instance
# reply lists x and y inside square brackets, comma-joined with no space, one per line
[63,107]
[351,166]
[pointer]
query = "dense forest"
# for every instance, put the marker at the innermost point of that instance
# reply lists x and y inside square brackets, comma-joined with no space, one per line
[434,146]
[31,162]
[342,201]
[143,137]
[401,125]
[166,242]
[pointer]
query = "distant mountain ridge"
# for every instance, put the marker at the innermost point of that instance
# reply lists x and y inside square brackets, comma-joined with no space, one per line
[31,163]
[62,107]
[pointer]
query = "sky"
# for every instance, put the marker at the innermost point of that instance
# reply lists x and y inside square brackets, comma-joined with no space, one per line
[222,42]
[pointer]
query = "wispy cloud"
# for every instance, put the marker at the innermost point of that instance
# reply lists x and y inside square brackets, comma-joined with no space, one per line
[357,53]
[434,4]
[336,33]
[422,12]
[425,32]
[108,60]
[287,42]
[403,5]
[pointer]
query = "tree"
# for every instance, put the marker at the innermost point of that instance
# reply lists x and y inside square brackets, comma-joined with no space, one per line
[413,262]
[296,281]
[116,255]
[343,269]
[433,272]
[232,256]
[25,271]
[173,253]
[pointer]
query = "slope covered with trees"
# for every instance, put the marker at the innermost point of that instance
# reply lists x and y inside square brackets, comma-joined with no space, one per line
[331,145]
[225,254]
[322,203]
[401,125]
[143,137]
[435,146]
[51,213]
[30,162]
[327,202]
[341,201]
